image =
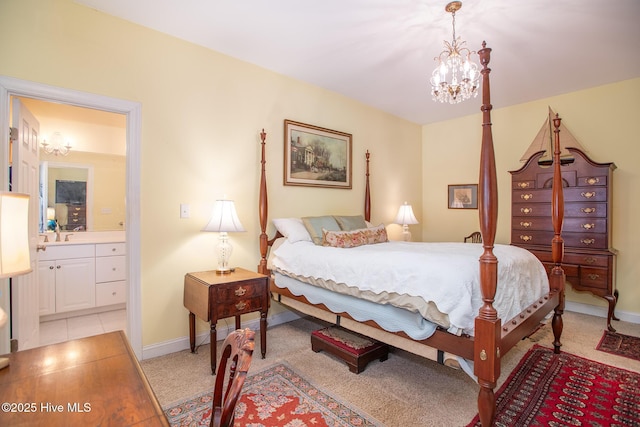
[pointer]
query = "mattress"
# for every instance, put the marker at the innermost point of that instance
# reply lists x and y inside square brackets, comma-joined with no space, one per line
[438,282]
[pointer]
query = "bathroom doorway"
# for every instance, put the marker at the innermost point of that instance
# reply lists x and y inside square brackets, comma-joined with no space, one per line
[10,87]
[82,157]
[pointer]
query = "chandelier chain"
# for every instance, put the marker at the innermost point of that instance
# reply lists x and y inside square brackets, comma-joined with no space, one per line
[453,23]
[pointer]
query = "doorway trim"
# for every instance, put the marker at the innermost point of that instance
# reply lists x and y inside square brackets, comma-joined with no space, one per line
[10,86]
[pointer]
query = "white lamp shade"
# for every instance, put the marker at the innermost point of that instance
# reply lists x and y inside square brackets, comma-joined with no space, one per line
[14,234]
[405,215]
[224,218]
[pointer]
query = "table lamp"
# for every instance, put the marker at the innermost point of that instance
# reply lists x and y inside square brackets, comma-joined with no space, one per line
[224,220]
[405,217]
[14,242]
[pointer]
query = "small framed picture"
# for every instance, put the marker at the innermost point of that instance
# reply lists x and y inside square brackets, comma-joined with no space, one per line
[463,196]
[316,157]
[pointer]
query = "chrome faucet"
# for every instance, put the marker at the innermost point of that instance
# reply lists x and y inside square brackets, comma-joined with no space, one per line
[57,230]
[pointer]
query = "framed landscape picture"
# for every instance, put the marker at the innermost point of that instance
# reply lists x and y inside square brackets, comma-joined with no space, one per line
[463,196]
[316,157]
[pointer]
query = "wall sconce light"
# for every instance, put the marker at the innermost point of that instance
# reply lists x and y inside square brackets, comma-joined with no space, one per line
[55,145]
[405,217]
[224,219]
[14,242]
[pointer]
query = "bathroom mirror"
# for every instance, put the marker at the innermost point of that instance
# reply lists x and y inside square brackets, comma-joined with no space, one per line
[87,195]
[91,173]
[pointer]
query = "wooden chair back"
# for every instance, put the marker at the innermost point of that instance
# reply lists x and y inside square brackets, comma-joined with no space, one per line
[237,351]
[474,237]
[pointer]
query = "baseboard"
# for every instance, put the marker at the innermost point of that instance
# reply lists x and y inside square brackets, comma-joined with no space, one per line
[593,310]
[182,343]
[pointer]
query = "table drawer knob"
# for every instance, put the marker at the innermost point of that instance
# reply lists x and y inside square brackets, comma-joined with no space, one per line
[526,196]
[593,276]
[526,238]
[588,194]
[587,241]
[588,226]
[523,184]
[241,305]
[526,224]
[240,292]
[526,210]
[588,210]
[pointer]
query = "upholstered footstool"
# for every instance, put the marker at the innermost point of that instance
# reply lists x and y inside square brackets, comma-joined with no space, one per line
[356,350]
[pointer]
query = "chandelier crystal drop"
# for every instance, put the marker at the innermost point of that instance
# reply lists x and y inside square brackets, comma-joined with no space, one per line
[456,77]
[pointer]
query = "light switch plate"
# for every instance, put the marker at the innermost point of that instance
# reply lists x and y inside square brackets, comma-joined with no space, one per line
[184,210]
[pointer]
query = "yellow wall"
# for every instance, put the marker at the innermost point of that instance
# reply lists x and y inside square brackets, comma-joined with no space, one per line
[603,119]
[201,117]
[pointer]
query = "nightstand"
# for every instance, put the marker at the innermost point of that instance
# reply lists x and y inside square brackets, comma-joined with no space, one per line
[212,296]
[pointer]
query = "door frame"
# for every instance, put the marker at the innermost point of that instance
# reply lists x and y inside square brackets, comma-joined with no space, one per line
[10,86]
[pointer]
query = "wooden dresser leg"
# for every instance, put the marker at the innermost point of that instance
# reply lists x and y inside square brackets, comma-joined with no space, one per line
[612,300]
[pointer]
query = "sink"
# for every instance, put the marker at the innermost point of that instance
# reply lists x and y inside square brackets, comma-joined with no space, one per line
[86,237]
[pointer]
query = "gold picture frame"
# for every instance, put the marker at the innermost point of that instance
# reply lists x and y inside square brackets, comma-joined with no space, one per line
[316,156]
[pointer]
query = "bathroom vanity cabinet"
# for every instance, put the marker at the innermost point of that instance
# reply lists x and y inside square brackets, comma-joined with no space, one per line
[111,274]
[81,276]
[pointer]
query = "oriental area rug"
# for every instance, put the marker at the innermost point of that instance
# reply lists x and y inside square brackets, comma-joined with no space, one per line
[620,344]
[277,396]
[566,390]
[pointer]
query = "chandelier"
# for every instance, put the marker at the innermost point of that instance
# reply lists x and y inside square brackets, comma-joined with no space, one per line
[55,147]
[456,77]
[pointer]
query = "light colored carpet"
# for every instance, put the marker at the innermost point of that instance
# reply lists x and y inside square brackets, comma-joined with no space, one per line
[405,390]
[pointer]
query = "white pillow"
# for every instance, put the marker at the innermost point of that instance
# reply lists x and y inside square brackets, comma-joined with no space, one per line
[293,229]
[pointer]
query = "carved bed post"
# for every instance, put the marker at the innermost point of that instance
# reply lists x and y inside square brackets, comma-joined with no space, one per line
[557,277]
[263,209]
[367,192]
[487,324]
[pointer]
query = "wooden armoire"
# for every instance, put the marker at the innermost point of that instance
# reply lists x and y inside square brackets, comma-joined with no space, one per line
[589,259]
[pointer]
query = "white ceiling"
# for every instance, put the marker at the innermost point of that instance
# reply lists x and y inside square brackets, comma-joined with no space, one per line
[381,52]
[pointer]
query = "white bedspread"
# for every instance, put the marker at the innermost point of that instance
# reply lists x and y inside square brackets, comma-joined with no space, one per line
[442,274]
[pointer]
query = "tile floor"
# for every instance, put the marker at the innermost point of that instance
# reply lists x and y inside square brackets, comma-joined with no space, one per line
[56,331]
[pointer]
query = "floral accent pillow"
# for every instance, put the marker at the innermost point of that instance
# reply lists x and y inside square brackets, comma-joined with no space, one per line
[353,238]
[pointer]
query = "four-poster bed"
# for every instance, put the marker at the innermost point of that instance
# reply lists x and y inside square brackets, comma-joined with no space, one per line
[490,336]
